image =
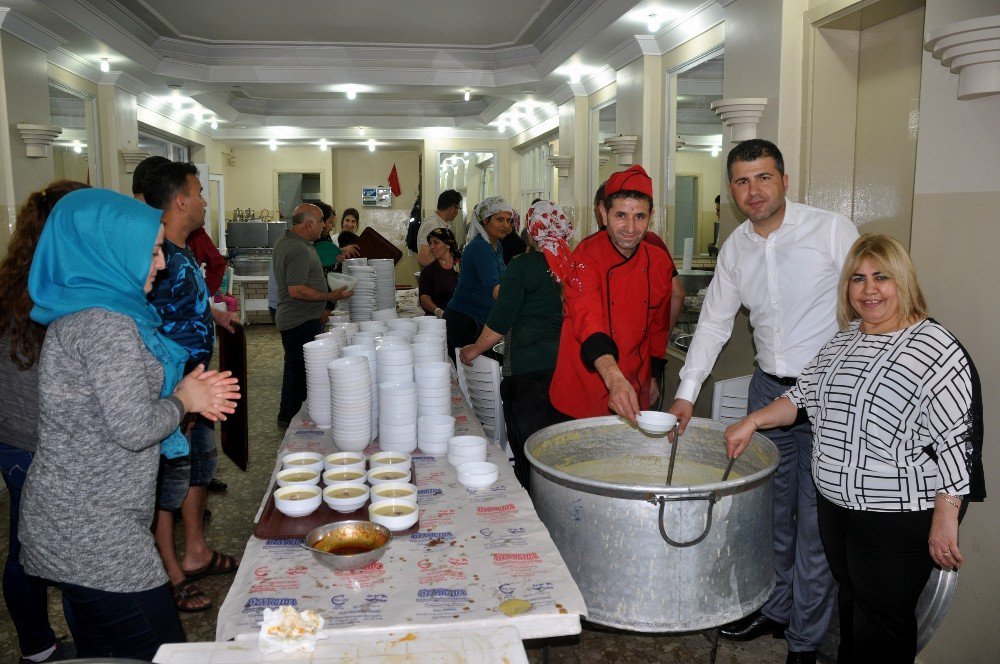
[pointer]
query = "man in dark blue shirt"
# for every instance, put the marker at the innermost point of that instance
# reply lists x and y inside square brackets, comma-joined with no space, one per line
[182,300]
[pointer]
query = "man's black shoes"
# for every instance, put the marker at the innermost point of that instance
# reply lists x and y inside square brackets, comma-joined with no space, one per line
[751,627]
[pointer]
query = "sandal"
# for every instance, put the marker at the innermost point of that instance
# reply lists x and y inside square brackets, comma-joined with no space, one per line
[187,596]
[220,563]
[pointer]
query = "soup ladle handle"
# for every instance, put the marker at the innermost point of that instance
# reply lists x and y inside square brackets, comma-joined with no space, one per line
[673,455]
[729,468]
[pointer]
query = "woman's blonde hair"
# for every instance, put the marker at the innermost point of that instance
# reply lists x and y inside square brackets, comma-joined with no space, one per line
[890,258]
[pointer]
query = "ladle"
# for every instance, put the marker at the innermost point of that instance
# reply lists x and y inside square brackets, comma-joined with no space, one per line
[673,453]
[729,468]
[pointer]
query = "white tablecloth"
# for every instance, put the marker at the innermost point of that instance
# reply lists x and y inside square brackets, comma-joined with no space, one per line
[474,550]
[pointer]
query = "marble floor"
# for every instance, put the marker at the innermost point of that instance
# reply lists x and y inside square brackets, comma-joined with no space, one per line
[230,527]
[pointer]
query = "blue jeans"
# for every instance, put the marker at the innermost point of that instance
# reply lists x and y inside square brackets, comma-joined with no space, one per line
[25,595]
[123,624]
[196,469]
[804,588]
[293,380]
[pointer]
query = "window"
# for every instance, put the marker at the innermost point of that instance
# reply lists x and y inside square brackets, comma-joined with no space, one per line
[536,175]
[161,146]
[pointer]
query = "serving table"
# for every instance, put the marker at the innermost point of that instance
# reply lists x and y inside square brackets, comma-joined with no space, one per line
[474,550]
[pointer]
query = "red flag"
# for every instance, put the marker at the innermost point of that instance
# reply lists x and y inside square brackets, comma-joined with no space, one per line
[394,182]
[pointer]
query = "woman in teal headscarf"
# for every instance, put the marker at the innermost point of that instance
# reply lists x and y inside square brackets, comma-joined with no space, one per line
[110,390]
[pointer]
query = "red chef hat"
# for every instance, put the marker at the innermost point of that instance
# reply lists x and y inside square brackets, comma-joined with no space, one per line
[633,179]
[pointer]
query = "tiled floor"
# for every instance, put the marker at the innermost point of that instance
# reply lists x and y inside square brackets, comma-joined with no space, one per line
[233,514]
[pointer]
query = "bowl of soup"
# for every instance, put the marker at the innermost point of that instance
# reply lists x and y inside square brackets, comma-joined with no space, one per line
[303,461]
[394,490]
[290,476]
[394,513]
[344,460]
[343,475]
[348,545]
[400,460]
[298,499]
[346,497]
[380,474]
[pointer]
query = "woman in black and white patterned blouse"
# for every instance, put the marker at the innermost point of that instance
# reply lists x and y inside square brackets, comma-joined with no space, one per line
[896,411]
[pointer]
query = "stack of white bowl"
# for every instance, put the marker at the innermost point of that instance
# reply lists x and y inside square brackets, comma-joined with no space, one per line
[465,449]
[376,326]
[434,386]
[363,302]
[351,403]
[318,354]
[430,324]
[386,279]
[337,333]
[344,323]
[367,351]
[394,361]
[407,325]
[397,422]
[364,338]
[429,348]
[385,314]
[434,432]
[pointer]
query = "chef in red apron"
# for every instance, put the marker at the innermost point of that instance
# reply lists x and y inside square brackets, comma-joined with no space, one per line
[621,301]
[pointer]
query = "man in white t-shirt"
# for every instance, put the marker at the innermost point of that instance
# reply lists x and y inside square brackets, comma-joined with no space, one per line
[448,206]
[783,264]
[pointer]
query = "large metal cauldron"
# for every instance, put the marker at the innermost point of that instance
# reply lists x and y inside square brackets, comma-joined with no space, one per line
[647,557]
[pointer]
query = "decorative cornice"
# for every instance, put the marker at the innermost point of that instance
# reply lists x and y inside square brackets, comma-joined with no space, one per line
[132,158]
[741,115]
[124,82]
[624,148]
[38,138]
[562,164]
[28,30]
[970,49]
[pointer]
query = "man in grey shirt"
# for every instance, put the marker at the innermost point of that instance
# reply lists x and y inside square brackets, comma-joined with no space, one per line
[448,206]
[302,297]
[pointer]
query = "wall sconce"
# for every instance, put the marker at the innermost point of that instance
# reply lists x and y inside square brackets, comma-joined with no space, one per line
[970,49]
[132,159]
[741,115]
[624,149]
[38,138]
[561,164]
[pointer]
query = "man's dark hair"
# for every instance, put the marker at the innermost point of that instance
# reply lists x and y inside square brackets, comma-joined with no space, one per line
[449,198]
[166,181]
[326,209]
[346,238]
[535,201]
[718,199]
[599,194]
[141,173]
[752,150]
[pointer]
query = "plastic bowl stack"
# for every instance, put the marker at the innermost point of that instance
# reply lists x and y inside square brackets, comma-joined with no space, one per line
[394,361]
[466,449]
[430,324]
[385,269]
[363,302]
[434,387]
[385,314]
[429,347]
[351,403]
[397,421]
[367,351]
[434,432]
[318,354]
[477,474]
[376,326]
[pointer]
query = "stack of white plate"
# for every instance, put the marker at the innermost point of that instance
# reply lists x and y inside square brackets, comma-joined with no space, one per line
[351,403]
[394,361]
[427,324]
[397,421]
[363,302]
[318,354]
[434,432]
[386,278]
[385,314]
[434,385]
[429,348]
[367,351]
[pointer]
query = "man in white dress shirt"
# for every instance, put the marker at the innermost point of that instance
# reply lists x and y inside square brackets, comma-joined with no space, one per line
[783,264]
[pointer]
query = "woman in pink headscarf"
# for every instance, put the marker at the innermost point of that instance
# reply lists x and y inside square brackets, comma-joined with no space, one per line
[529,307]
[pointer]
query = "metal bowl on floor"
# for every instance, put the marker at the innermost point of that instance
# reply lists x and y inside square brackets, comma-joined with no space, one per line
[348,544]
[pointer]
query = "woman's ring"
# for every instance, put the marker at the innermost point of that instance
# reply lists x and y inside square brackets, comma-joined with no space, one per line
[946,552]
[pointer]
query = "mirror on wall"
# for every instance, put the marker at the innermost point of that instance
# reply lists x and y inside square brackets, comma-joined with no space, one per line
[74,153]
[473,173]
[295,189]
[603,125]
[696,159]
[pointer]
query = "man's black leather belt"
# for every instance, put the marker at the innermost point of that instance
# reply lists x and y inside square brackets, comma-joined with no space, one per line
[785,381]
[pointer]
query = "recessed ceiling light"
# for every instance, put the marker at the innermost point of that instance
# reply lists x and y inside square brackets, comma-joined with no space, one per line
[361,130]
[322,144]
[215,125]
[352,91]
[77,147]
[371,145]
[273,144]
[468,94]
[105,65]
[653,22]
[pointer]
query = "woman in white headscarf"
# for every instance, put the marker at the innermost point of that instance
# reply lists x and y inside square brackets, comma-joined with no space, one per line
[529,308]
[479,279]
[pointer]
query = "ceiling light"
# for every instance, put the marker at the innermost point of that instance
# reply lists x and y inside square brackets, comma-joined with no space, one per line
[468,94]
[273,144]
[199,115]
[215,125]
[371,145]
[715,150]
[322,144]
[501,126]
[653,22]
[105,65]
[77,147]
[574,76]
[361,131]
[352,92]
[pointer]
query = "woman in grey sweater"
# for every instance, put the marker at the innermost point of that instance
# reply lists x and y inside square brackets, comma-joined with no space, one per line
[110,390]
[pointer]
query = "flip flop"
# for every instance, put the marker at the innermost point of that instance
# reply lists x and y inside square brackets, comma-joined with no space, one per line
[185,593]
[220,563]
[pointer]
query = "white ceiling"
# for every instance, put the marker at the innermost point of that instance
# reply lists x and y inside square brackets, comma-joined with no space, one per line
[282,68]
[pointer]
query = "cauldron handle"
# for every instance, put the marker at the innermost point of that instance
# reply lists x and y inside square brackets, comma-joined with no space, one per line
[662,502]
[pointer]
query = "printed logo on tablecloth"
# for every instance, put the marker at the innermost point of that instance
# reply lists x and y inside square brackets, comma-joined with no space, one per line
[366,577]
[429,478]
[443,601]
[367,610]
[338,600]
[435,520]
[254,607]
[430,496]
[276,585]
[282,544]
[503,538]
[434,538]
[497,513]
[262,572]
[517,565]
